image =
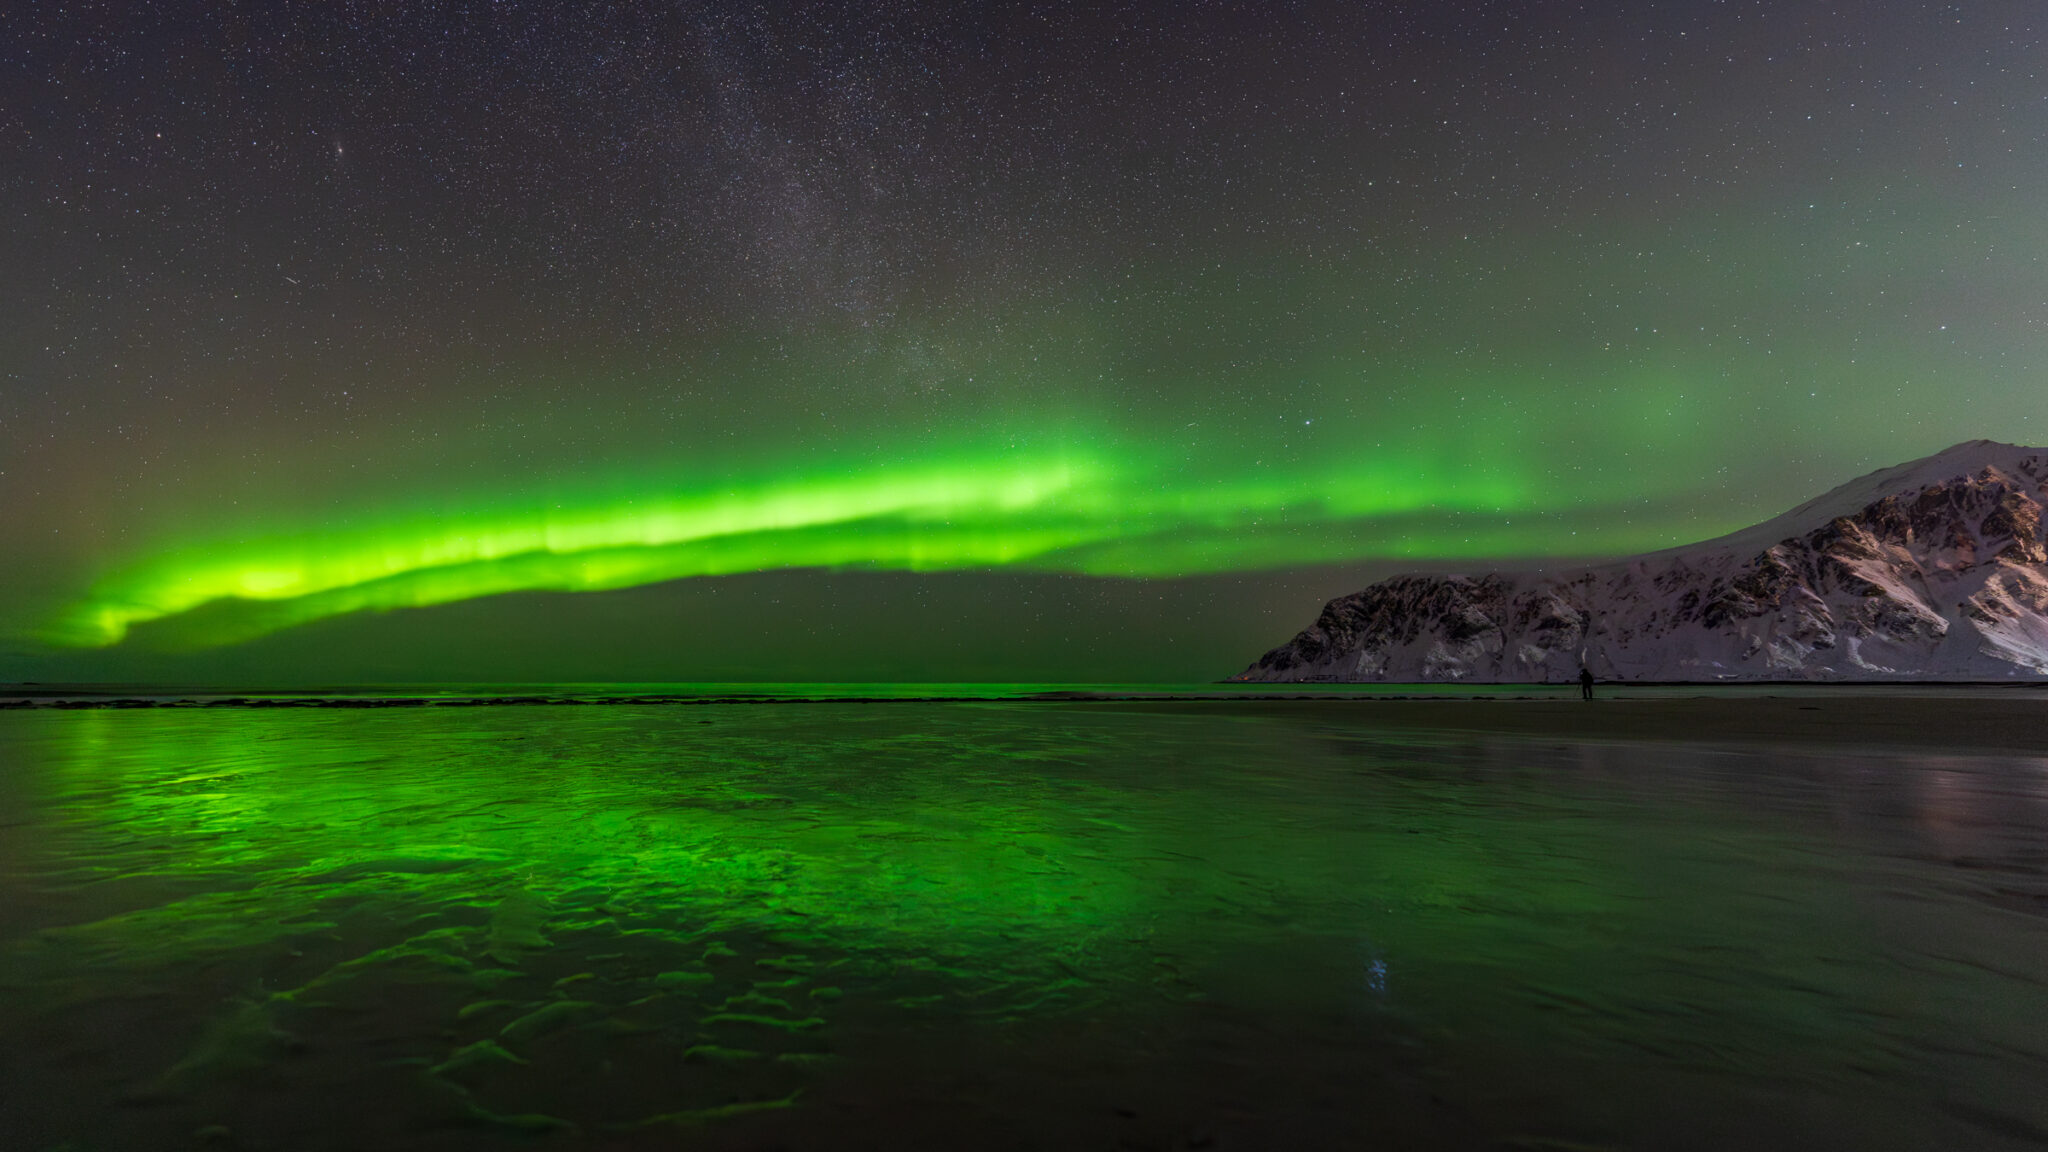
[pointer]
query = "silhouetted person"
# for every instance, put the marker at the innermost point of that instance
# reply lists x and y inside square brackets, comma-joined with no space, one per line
[1585,683]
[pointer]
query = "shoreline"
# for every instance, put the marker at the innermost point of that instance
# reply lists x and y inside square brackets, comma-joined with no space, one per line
[841,692]
[1950,716]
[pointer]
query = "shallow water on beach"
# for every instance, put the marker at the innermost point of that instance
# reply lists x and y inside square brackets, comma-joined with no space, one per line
[1003,924]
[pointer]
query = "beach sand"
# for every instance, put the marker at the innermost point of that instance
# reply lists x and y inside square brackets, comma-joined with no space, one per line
[1934,718]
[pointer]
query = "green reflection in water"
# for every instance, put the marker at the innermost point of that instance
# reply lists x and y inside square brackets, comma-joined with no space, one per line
[631,921]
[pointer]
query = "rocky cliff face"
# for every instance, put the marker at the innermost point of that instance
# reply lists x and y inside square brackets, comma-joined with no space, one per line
[1935,569]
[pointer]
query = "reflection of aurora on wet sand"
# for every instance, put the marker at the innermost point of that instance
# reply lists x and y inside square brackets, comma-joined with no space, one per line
[1069,925]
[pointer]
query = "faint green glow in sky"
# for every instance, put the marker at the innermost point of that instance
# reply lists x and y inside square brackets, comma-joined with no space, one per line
[1095,512]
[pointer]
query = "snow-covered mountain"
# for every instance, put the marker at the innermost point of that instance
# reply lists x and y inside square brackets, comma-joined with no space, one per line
[1933,570]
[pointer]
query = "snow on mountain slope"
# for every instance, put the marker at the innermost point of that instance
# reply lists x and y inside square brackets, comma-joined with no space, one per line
[1932,570]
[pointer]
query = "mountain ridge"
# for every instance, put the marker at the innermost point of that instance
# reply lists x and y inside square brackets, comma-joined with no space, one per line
[1934,569]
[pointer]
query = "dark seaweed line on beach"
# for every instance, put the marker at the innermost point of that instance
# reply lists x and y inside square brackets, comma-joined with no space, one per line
[503,701]
[1516,692]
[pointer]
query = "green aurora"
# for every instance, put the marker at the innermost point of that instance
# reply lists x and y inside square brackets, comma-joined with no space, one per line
[1087,513]
[802,343]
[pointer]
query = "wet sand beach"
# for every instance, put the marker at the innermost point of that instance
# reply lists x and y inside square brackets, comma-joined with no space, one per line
[1933,718]
[1653,921]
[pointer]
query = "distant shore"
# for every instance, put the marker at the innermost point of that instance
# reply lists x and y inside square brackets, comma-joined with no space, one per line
[1998,716]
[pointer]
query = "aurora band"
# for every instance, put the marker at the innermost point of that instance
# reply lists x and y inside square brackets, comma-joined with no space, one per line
[1050,512]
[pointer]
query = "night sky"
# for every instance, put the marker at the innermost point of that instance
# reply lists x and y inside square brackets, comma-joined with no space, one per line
[640,341]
